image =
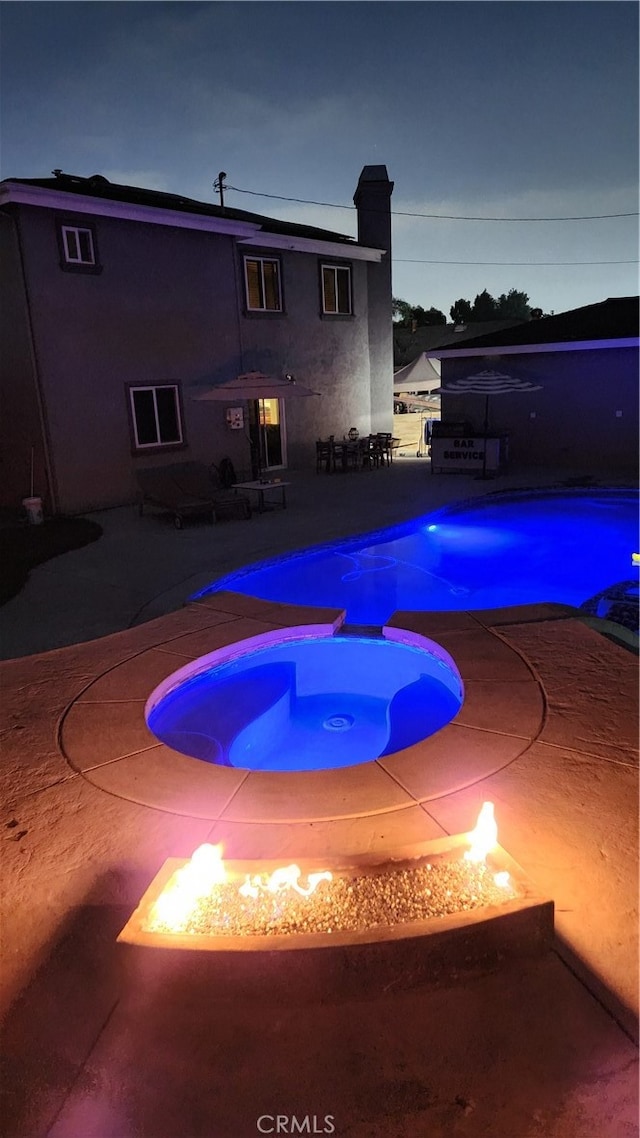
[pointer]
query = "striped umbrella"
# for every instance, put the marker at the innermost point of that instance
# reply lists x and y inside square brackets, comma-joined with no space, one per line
[487,383]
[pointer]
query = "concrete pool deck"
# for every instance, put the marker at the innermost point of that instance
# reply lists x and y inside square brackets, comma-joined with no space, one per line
[541,1049]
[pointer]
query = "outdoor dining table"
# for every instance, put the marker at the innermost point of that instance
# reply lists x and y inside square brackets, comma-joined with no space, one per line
[346,454]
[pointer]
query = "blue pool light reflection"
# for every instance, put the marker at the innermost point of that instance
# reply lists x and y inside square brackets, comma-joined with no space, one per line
[308,703]
[504,549]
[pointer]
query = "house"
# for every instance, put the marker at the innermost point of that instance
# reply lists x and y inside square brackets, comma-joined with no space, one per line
[120,304]
[410,343]
[584,415]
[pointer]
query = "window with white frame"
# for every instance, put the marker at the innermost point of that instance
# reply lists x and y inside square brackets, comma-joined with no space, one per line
[78,245]
[262,284]
[156,417]
[336,290]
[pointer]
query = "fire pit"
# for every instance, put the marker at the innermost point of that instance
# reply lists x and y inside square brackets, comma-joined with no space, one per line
[457,901]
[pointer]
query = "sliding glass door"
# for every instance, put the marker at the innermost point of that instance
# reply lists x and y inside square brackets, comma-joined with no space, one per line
[266,422]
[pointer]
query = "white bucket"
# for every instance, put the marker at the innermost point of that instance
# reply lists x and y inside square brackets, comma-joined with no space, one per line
[33,506]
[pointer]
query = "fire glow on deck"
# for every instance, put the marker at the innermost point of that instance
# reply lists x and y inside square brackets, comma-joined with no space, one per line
[215,905]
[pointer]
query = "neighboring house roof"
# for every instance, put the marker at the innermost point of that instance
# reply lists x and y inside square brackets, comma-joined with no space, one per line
[407,343]
[97,186]
[612,322]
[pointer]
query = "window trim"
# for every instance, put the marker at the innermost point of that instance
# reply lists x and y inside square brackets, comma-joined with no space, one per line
[156,446]
[336,266]
[77,225]
[262,258]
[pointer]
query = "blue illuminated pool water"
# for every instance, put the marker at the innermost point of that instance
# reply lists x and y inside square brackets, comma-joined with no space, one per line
[306,704]
[505,549]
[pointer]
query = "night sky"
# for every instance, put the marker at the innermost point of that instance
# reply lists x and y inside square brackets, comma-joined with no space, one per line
[485,109]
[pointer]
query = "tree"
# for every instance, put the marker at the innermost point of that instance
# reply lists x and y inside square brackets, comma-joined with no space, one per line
[484,307]
[401,311]
[435,316]
[415,316]
[430,316]
[514,306]
[460,312]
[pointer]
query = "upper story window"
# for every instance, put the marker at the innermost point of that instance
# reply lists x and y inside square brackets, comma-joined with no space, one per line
[156,416]
[336,290]
[78,247]
[262,284]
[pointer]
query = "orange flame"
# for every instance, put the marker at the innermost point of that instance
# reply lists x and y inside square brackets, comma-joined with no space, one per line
[287,877]
[483,839]
[485,835]
[198,878]
[188,886]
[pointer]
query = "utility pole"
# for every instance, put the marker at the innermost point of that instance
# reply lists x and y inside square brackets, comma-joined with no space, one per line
[220,187]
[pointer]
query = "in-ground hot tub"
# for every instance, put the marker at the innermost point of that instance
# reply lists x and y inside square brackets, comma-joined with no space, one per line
[306,699]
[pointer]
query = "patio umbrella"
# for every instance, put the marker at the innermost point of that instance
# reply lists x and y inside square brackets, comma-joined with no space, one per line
[487,383]
[255,385]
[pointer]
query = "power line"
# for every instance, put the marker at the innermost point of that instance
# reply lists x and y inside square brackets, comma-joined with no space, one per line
[415,261]
[443,216]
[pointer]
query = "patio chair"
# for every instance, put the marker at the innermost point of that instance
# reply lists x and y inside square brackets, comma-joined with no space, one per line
[186,490]
[200,481]
[324,456]
[384,448]
[158,488]
[370,452]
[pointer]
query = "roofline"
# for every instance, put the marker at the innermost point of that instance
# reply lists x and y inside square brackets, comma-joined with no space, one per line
[128,211]
[251,232]
[313,245]
[533,349]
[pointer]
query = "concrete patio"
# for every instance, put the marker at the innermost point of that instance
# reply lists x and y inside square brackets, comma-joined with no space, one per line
[93,806]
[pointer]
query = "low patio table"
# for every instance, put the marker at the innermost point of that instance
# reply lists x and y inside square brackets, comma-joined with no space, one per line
[262,488]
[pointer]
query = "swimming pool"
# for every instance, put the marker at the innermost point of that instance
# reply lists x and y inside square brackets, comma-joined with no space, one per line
[504,549]
[292,701]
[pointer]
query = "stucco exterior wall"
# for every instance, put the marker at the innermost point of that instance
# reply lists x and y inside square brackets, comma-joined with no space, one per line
[572,422]
[160,311]
[21,423]
[326,353]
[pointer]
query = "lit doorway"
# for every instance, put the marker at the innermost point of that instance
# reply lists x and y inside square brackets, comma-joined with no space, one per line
[266,425]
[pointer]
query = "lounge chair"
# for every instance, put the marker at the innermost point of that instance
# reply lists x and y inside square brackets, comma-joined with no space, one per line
[182,491]
[200,481]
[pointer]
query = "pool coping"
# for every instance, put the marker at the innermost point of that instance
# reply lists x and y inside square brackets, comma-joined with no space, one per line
[104,738]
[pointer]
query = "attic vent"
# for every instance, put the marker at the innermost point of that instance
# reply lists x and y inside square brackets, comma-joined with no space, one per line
[98,180]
